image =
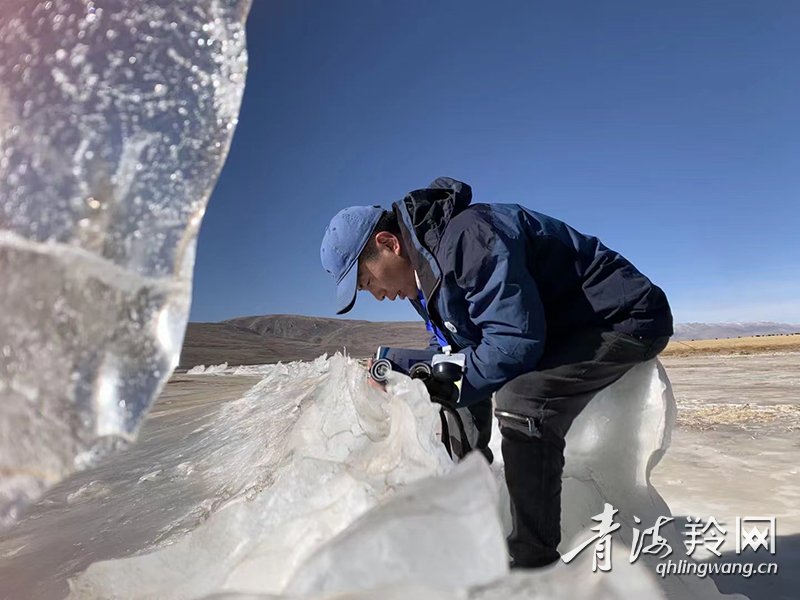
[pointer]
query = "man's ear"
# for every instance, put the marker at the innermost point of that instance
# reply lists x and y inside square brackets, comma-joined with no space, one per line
[389,241]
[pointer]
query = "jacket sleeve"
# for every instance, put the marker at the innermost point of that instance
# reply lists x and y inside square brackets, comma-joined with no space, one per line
[503,301]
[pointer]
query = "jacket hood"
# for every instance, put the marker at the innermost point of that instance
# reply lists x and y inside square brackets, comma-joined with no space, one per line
[430,209]
[423,216]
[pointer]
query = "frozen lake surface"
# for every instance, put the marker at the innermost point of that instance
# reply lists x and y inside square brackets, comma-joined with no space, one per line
[736,452]
[202,449]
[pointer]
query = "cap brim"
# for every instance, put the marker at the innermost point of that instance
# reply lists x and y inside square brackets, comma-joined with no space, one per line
[346,290]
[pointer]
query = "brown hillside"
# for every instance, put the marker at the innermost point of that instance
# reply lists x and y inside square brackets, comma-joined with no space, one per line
[273,338]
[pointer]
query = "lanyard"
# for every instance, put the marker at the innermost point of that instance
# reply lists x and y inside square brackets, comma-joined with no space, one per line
[430,326]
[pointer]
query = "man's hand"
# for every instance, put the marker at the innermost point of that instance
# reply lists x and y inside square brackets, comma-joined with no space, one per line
[442,392]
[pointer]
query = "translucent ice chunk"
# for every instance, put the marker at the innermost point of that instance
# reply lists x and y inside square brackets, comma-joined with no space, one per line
[443,532]
[114,124]
[612,448]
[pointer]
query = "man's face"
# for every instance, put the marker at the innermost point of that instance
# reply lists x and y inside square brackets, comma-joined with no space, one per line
[390,274]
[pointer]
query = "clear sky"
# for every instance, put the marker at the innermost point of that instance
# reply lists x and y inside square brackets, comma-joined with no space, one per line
[669,130]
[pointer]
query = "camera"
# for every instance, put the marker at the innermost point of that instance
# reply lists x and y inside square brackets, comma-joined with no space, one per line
[441,373]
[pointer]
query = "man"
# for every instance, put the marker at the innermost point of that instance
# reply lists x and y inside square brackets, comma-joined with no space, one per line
[545,316]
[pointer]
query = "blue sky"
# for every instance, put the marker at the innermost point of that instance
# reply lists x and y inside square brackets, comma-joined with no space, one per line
[669,130]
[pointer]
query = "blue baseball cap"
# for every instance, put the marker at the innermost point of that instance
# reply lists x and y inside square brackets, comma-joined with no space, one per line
[345,238]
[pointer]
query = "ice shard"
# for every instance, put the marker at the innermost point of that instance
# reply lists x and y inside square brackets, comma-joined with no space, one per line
[612,448]
[115,120]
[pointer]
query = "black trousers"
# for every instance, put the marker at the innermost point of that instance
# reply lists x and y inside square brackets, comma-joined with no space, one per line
[482,417]
[535,411]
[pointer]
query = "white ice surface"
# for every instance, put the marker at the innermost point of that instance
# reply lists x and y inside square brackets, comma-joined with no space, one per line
[357,499]
[341,448]
[222,369]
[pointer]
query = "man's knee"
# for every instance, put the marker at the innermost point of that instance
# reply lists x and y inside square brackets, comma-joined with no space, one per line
[523,391]
[534,405]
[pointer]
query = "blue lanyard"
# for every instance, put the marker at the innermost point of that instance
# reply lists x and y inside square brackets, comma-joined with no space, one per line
[430,326]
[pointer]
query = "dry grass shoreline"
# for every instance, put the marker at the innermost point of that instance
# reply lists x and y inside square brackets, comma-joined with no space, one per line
[744,345]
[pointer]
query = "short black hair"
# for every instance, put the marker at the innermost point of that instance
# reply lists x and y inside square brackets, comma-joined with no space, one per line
[387,222]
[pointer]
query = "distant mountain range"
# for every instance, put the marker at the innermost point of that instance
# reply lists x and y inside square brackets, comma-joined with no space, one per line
[273,338]
[710,331]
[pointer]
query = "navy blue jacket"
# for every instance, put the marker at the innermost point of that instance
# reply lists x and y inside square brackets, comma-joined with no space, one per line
[499,280]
